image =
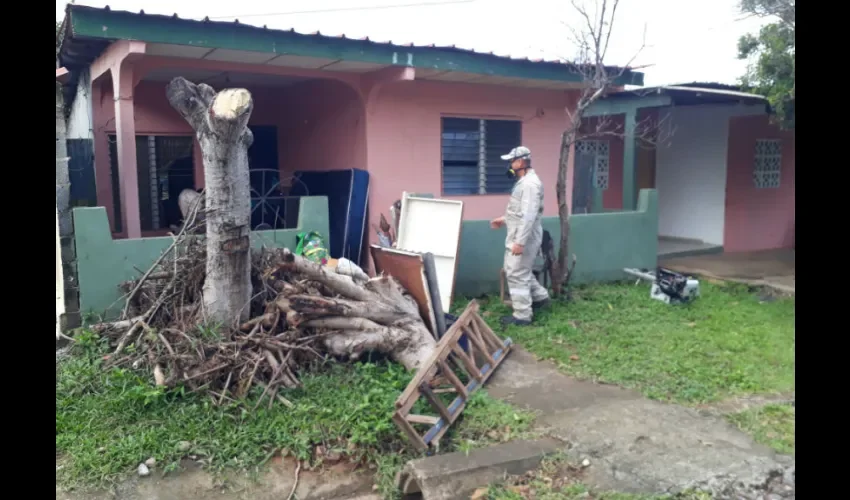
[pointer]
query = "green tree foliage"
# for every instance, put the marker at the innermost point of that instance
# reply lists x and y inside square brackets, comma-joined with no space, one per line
[772,54]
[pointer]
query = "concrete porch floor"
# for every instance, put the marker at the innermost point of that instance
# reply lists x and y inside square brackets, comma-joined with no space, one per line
[774,268]
[669,247]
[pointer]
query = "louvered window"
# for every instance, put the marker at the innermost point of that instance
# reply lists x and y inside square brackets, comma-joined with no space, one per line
[471,151]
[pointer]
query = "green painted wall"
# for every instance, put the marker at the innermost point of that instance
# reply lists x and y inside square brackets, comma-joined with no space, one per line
[103,263]
[604,244]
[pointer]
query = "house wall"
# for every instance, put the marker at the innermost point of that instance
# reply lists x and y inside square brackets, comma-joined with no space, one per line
[404,138]
[758,219]
[320,127]
[691,171]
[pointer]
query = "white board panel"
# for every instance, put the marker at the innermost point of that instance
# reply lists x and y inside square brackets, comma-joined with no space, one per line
[433,225]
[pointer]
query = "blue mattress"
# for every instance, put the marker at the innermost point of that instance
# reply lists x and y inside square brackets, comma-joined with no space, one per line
[348,197]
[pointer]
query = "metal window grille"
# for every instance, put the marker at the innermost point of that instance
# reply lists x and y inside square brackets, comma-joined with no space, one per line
[768,164]
[162,162]
[599,151]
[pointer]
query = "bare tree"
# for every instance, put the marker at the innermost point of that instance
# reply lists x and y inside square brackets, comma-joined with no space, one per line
[592,40]
[220,123]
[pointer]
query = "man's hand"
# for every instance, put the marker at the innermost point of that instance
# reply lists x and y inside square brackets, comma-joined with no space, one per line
[516,249]
[497,222]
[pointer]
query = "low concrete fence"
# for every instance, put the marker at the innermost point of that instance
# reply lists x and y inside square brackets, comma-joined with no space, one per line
[604,243]
[104,263]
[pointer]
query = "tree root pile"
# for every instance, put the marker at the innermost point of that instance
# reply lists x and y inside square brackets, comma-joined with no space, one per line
[301,312]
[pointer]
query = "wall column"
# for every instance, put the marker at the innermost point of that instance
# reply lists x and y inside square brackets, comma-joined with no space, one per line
[125,133]
[629,161]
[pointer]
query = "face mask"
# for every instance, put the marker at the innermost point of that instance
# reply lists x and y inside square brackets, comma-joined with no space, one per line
[511,173]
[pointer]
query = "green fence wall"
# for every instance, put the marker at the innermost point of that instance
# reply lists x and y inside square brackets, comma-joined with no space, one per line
[603,243]
[104,263]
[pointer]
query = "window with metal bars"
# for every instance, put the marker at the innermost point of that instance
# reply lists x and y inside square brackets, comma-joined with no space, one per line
[165,167]
[471,155]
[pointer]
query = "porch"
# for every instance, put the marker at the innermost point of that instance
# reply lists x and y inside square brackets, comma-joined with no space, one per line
[675,140]
[669,247]
[773,268]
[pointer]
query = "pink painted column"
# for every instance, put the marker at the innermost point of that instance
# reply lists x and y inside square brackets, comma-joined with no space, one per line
[125,133]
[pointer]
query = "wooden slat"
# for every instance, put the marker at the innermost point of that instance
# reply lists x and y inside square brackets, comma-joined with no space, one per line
[436,403]
[455,381]
[408,429]
[436,374]
[470,366]
[445,344]
[488,335]
[473,335]
[445,428]
[422,419]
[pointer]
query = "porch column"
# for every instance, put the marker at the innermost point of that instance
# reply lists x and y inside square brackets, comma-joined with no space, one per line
[629,161]
[125,134]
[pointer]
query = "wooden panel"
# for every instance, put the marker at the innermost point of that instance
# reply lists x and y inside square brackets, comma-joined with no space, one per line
[409,270]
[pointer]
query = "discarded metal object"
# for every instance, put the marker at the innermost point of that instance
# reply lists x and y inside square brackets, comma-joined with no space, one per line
[668,286]
[450,370]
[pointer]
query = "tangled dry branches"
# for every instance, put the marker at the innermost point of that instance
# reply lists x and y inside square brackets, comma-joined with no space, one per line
[301,313]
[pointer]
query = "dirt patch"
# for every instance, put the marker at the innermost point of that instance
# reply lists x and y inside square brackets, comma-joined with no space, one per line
[275,482]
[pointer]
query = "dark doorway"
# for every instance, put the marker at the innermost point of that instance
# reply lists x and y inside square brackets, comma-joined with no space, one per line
[583,181]
[267,202]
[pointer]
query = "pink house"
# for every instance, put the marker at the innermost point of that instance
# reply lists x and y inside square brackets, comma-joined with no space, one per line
[723,172]
[416,118]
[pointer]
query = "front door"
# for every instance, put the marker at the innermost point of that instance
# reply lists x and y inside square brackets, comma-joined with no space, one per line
[590,176]
[266,198]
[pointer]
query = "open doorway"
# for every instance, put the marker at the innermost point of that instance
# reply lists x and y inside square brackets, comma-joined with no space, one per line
[268,203]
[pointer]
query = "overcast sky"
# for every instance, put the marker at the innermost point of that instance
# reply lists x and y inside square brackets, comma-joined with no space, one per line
[687,40]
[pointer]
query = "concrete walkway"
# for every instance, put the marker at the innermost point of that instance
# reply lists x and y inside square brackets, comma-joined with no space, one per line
[636,445]
[773,268]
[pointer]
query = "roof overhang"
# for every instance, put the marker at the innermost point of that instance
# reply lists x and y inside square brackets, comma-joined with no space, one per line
[90,30]
[671,95]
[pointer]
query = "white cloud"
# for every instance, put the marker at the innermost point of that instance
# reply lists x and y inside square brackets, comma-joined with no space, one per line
[687,40]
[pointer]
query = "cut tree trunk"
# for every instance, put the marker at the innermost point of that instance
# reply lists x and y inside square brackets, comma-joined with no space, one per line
[220,124]
[377,316]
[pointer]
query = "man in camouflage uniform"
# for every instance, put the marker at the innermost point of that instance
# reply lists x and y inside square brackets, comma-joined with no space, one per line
[525,235]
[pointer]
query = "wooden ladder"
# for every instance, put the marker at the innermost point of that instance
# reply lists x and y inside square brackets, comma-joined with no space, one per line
[443,372]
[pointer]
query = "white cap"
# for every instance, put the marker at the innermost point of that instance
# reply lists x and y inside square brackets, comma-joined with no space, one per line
[518,152]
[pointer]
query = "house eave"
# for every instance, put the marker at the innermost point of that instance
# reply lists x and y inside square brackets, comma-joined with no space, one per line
[91,30]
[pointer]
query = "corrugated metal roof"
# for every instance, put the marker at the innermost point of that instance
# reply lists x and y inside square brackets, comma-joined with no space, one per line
[325,35]
[67,52]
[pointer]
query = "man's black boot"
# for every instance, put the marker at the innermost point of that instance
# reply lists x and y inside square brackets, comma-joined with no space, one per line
[510,320]
[540,304]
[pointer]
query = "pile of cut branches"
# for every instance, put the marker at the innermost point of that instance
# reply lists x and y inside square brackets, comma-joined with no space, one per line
[301,312]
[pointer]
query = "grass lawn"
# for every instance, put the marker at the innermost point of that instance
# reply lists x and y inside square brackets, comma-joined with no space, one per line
[728,342]
[772,425]
[109,422]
